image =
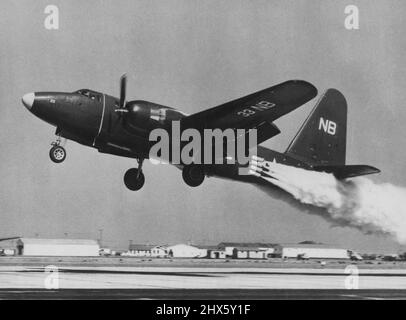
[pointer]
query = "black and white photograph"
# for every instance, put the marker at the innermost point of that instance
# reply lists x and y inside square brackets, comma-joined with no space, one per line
[202,150]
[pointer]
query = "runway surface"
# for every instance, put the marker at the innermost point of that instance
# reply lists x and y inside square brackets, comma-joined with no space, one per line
[197,283]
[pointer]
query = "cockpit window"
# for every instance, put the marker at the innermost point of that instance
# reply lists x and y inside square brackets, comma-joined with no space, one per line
[83,92]
[90,94]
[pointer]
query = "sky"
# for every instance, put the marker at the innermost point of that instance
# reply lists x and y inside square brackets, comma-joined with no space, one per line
[191,55]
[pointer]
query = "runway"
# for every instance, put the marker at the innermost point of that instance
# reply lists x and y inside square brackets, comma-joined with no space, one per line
[20,282]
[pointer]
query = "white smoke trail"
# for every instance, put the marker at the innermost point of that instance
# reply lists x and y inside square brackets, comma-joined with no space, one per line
[359,203]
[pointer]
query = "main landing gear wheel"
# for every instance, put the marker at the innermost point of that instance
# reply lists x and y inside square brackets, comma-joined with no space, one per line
[193,175]
[134,179]
[57,154]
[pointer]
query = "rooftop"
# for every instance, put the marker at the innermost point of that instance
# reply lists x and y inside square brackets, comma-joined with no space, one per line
[308,245]
[58,241]
[249,249]
[247,244]
[145,247]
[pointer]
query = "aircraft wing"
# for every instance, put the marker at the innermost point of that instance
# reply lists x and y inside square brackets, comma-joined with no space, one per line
[258,109]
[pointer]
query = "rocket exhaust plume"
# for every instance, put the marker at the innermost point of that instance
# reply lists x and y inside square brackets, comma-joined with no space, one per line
[359,203]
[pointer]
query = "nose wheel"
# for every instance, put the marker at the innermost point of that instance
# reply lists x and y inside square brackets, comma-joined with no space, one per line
[134,179]
[57,153]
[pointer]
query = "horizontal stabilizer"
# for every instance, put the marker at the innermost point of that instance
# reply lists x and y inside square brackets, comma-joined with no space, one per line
[344,172]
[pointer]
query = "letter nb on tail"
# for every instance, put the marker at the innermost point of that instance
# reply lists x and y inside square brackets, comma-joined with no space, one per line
[321,141]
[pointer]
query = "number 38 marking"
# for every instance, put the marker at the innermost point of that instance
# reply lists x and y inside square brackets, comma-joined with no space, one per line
[260,106]
[246,112]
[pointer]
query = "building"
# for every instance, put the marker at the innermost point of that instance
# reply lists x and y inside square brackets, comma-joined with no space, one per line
[216,254]
[105,252]
[249,253]
[268,251]
[8,246]
[146,250]
[159,252]
[57,247]
[311,251]
[229,247]
[186,251]
[213,252]
[140,250]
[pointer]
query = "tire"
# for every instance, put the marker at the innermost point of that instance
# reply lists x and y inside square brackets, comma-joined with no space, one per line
[193,175]
[131,181]
[57,154]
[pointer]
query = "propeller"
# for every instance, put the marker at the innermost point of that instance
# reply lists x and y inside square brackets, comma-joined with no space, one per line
[123,88]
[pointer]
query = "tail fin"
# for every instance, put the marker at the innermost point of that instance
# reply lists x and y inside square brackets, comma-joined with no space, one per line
[322,138]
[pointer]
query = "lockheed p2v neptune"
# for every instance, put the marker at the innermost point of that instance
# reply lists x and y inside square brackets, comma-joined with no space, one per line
[119,127]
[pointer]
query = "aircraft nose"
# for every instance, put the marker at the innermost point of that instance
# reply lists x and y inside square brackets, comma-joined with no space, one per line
[28,100]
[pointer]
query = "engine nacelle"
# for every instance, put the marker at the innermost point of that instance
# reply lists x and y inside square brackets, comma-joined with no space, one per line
[143,116]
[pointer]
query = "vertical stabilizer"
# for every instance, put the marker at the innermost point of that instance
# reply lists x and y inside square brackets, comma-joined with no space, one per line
[322,138]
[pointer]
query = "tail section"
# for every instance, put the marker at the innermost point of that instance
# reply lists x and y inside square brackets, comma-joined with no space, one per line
[322,138]
[321,141]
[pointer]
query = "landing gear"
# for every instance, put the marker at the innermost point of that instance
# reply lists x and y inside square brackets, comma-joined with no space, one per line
[193,175]
[134,179]
[57,153]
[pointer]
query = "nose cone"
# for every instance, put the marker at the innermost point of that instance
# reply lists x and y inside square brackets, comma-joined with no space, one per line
[28,100]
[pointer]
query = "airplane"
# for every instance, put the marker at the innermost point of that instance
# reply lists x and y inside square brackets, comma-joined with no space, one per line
[119,127]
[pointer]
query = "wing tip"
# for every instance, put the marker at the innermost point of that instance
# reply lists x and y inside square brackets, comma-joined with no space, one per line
[304,84]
